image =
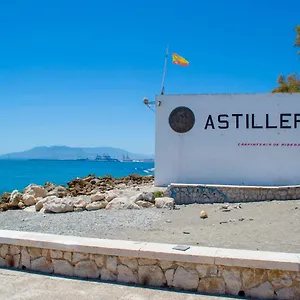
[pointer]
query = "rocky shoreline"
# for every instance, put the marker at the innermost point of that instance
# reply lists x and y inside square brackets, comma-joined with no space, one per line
[89,193]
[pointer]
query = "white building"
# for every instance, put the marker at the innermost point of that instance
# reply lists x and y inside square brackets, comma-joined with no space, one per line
[236,139]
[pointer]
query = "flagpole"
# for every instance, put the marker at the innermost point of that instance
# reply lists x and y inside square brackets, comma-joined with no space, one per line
[164,73]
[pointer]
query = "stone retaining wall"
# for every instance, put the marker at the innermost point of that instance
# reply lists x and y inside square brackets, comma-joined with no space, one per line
[197,193]
[263,275]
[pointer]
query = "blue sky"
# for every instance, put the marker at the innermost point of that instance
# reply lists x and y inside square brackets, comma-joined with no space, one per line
[75,72]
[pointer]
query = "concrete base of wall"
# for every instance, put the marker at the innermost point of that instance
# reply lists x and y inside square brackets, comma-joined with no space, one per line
[262,275]
[200,193]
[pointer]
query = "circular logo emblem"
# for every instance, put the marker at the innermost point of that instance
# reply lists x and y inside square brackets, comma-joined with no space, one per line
[182,119]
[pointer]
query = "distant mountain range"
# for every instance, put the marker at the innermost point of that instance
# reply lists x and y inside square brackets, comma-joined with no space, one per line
[70,153]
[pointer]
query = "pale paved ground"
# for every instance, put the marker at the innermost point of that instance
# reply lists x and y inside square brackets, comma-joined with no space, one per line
[15,285]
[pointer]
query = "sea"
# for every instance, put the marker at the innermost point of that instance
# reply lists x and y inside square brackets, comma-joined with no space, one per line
[17,174]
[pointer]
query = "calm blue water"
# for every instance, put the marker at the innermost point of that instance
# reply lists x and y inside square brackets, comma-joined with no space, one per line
[19,174]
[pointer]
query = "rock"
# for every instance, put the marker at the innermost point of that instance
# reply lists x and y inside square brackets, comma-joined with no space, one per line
[14,250]
[63,267]
[15,198]
[151,275]
[86,269]
[34,252]
[144,204]
[21,205]
[186,279]
[263,291]
[97,197]
[121,186]
[28,200]
[224,206]
[40,202]
[41,265]
[5,198]
[148,197]
[165,264]
[110,195]
[132,263]
[169,276]
[49,186]
[145,196]
[77,256]
[96,205]
[233,281]
[280,279]
[122,203]
[99,260]
[147,261]
[58,191]
[35,190]
[4,250]
[203,270]
[106,275]
[285,294]
[59,205]
[165,202]
[126,275]
[68,256]
[213,285]
[80,204]
[15,262]
[2,262]
[252,277]
[203,214]
[4,207]
[56,254]
[78,209]
[111,264]
[25,259]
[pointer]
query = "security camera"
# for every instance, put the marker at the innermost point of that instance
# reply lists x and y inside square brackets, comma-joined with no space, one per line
[146,100]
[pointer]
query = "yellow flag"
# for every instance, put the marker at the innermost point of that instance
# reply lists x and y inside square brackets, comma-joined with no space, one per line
[179,60]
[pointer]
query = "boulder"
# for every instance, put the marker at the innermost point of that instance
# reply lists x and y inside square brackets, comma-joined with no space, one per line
[5,198]
[80,204]
[30,208]
[58,191]
[97,197]
[122,203]
[40,202]
[21,205]
[96,205]
[35,190]
[28,200]
[146,196]
[15,198]
[59,205]
[110,195]
[49,186]
[165,202]
[144,204]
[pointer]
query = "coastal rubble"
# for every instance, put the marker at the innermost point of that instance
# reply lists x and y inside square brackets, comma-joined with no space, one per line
[89,193]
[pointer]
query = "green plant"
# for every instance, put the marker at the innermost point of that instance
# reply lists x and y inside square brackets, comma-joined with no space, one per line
[291,83]
[158,194]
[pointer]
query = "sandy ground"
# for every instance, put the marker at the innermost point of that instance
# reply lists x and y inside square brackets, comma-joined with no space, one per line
[270,226]
[16,285]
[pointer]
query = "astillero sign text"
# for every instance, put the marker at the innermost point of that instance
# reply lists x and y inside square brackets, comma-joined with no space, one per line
[253,121]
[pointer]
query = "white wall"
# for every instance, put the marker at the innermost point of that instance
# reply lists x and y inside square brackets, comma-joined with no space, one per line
[214,156]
